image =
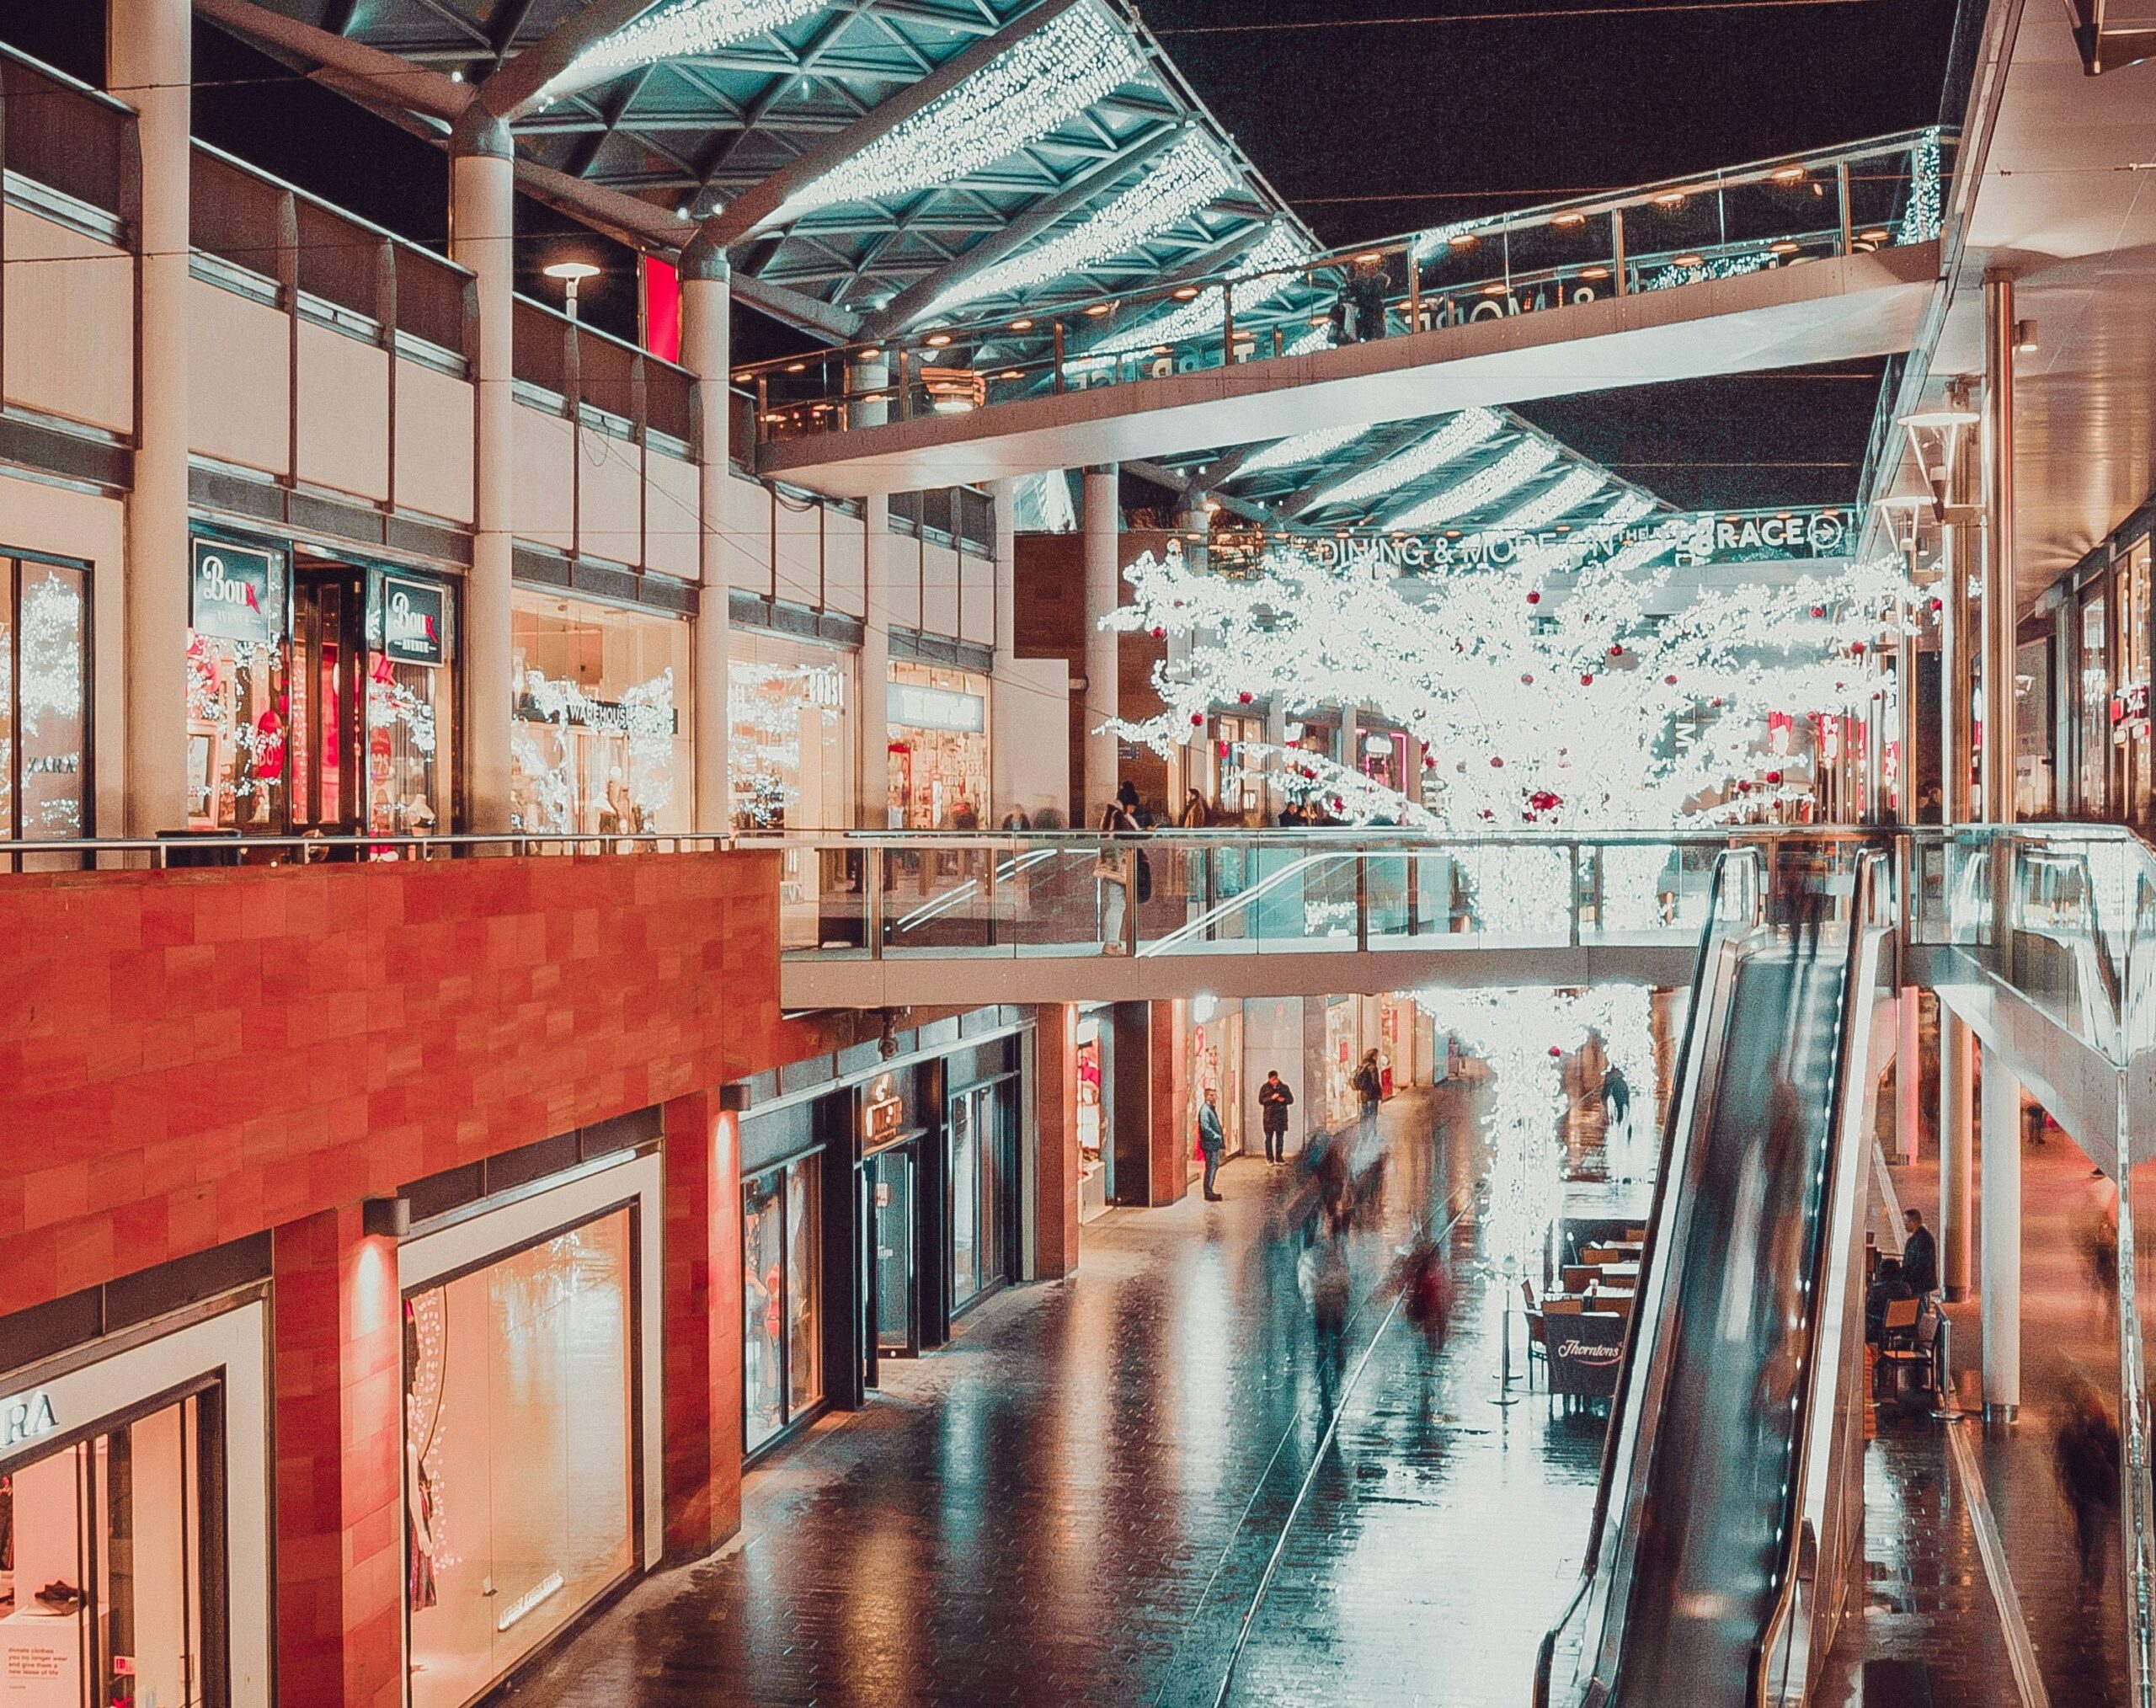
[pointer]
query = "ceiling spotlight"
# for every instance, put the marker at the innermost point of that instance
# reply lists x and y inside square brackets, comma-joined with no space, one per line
[1098,309]
[1787,247]
[457,76]
[1568,219]
[797,367]
[1873,236]
[2024,336]
[1184,293]
[1670,198]
[743,378]
[937,340]
[1594,272]
[1687,261]
[1022,326]
[1787,174]
[1493,289]
[1368,258]
[1011,374]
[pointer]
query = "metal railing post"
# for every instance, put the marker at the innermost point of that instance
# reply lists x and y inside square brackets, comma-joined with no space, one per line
[905,385]
[1617,245]
[1572,908]
[1414,288]
[1227,322]
[1057,332]
[1362,899]
[872,875]
[1841,196]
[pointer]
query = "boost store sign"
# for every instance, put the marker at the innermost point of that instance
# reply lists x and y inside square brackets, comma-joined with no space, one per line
[230,593]
[411,620]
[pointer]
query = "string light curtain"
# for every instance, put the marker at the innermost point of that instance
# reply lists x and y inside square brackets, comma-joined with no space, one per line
[1021,97]
[1270,267]
[1485,487]
[1460,435]
[682,31]
[1181,181]
[1303,447]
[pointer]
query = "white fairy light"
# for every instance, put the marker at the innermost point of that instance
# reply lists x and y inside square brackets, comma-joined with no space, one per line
[1560,498]
[1460,435]
[1266,272]
[1016,99]
[1486,486]
[1317,338]
[1182,181]
[683,31]
[1303,447]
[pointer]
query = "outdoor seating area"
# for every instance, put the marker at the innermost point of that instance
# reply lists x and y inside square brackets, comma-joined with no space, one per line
[1578,1331]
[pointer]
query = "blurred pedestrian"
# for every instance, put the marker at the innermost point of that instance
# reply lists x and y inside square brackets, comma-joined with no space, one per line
[1426,1293]
[1212,1140]
[1321,1273]
[1274,1099]
[2085,1458]
[1368,1081]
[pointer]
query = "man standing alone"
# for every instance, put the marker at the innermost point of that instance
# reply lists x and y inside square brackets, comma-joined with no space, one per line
[1920,1255]
[1368,1081]
[1274,1100]
[1212,1140]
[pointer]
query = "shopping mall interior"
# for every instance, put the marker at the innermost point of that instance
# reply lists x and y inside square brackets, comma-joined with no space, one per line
[1081,852]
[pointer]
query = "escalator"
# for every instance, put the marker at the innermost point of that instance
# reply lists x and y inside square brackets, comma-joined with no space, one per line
[1725,1524]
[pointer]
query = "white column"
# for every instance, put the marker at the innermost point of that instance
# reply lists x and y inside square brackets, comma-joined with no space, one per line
[1102,523]
[1003,794]
[2002,1239]
[1909,1074]
[149,60]
[1957,1151]
[873,727]
[864,379]
[707,351]
[482,236]
[1999,629]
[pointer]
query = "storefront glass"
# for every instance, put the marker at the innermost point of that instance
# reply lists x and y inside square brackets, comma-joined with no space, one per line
[1093,1128]
[44,758]
[411,705]
[2130,707]
[938,747]
[1216,1064]
[101,1587]
[783,1365]
[237,703]
[2095,735]
[1344,1032]
[601,741]
[1239,746]
[518,1470]
[789,757]
[982,1174]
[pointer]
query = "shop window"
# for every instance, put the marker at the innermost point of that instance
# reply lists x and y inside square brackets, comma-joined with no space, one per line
[938,747]
[788,755]
[2096,706]
[44,753]
[410,705]
[601,741]
[781,1322]
[519,1484]
[238,703]
[102,1590]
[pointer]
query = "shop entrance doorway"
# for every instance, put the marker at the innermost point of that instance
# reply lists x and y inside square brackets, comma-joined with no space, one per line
[891,1326]
[328,637]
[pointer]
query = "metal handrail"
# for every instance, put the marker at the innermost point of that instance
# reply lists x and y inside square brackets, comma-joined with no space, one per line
[207,847]
[1679,1108]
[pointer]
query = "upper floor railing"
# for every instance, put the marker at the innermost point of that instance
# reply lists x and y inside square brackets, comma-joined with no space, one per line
[1273,303]
[67,137]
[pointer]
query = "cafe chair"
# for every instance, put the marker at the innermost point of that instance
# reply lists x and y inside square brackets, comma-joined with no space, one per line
[1577,1277]
[1907,1346]
[1636,1236]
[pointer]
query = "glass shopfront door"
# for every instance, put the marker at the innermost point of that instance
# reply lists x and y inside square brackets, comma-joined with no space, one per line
[327,620]
[983,1174]
[886,1221]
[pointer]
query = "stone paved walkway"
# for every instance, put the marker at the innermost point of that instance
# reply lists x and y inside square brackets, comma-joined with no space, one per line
[1074,1502]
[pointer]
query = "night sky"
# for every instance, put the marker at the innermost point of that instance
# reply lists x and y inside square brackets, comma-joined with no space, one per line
[1368,128]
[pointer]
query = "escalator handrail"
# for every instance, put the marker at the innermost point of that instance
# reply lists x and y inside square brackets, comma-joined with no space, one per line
[1712,933]
[1863,906]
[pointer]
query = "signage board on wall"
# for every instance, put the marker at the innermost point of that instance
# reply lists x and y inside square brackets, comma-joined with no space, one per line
[882,1111]
[411,620]
[230,592]
[915,706]
[25,1418]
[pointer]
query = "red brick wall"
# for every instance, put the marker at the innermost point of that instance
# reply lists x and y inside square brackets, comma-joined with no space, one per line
[703,1388]
[188,1057]
[1055,1173]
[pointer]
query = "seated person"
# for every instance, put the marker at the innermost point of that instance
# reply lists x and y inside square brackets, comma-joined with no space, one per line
[1888,1284]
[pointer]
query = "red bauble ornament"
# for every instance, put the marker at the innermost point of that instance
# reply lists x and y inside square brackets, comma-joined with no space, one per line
[1339,805]
[1587,680]
[1818,610]
[1557,1054]
[1245,697]
[1616,651]
[1744,786]
[1716,702]
[1159,633]
[1533,596]
[1938,604]
[1669,682]
[1527,678]
[1198,720]
[1496,763]
[1773,776]
[1856,649]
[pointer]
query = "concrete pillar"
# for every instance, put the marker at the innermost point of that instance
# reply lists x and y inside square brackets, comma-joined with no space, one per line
[1055,1173]
[707,351]
[1998,627]
[2002,1239]
[702,1242]
[1909,1074]
[1956,644]
[873,727]
[149,58]
[1002,750]
[868,375]
[482,236]
[339,1336]
[1173,1137]
[1102,523]
[1905,699]
[1957,1096]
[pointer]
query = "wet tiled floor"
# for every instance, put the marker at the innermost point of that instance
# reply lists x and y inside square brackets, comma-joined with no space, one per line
[1074,1503]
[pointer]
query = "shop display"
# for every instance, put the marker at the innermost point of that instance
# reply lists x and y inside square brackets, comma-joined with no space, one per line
[938,747]
[43,704]
[101,1596]
[518,1418]
[238,698]
[1093,1123]
[789,750]
[782,1324]
[600,745]
[409,708]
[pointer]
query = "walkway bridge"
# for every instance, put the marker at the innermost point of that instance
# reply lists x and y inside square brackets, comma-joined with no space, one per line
[1804,259]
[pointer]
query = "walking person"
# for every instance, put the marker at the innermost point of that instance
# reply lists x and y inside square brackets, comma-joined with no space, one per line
[1321,1274]
[1369,1089]
[2085,1458]
[1212,1140]
[1274,1100]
